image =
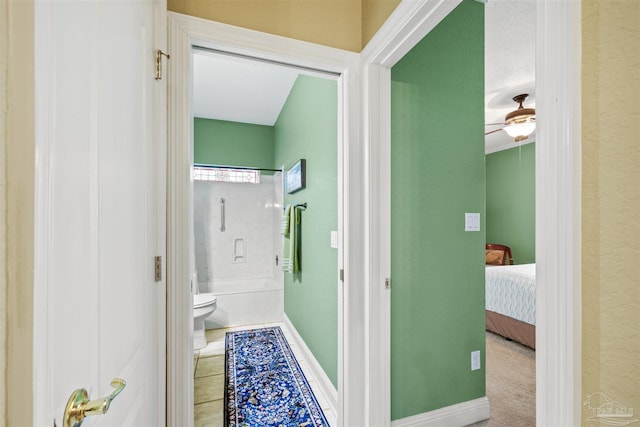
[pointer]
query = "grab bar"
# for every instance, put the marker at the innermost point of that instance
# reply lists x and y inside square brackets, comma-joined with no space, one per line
[222,227]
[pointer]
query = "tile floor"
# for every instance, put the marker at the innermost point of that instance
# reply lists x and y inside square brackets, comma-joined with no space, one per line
[209,377]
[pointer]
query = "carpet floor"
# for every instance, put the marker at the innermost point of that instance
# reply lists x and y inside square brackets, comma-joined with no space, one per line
[511,383]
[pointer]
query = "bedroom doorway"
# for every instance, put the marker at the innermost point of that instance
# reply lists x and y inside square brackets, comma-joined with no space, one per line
[510,290]
[557,189]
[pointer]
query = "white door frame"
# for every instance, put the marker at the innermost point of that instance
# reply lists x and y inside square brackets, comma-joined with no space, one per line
[558,200]
[160,136]
[185,32]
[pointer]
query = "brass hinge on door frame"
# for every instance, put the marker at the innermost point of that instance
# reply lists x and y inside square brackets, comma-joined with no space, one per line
[387,283]
[159,54]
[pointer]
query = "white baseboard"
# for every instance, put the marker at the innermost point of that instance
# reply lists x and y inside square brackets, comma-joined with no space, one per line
[326,386]
[461,414]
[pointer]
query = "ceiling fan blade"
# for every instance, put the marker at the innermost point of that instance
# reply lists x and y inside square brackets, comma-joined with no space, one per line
[493,131]
[495,124]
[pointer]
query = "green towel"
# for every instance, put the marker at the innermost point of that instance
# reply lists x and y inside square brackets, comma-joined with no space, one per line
[291,256]
[284,224]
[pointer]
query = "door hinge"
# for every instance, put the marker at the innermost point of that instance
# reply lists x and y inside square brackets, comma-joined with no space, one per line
[341,275]
[159,54]
[158,268]
[387,283]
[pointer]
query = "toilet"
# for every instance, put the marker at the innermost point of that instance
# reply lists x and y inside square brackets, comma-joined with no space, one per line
[203,306]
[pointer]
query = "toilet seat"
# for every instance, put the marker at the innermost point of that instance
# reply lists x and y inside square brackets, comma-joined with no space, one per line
[202,300]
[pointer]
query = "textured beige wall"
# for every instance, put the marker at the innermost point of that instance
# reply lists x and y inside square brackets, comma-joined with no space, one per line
[611,202]
[374,14]
[20,161]
[345,24]
[4,60]
[334,23]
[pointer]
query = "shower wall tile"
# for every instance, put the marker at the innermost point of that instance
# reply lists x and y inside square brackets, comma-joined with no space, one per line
[278,210]
[250,215]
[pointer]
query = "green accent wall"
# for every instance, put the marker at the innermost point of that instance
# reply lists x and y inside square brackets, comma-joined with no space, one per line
[437,167]
[511,201]
[218,142]
[307,129]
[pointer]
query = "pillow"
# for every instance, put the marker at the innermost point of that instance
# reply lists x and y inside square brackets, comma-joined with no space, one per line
[494,257]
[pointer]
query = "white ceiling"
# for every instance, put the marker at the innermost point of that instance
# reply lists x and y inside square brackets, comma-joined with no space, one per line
[235,89]
[509,64]
[238,90]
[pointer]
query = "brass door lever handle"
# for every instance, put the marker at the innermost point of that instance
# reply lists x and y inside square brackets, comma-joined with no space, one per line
[79,406]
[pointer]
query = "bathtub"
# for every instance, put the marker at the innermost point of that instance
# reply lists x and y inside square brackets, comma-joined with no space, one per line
[245,302]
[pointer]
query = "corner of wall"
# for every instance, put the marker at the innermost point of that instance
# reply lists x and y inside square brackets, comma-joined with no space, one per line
[19,193]
[329,23]
[610,204]
[373,16]
[4,61]
[431,82]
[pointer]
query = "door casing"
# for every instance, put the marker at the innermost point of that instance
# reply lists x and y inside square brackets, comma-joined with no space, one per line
[184,33]
[558,201]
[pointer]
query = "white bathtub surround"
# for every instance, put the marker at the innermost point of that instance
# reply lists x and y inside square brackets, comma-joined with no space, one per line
[246,302]
[245,248]
[238,265]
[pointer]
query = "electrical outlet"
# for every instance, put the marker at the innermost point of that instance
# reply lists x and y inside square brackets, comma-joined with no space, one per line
[475,360]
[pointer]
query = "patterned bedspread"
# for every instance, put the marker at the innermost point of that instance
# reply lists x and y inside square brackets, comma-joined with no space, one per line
[511,291]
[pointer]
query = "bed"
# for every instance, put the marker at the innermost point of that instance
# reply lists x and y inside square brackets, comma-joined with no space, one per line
[510,298]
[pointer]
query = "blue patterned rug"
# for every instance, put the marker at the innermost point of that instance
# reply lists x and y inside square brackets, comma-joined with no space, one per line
[264,385]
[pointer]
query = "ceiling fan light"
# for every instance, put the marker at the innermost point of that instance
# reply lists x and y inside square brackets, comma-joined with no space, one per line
[520,122]
[520,129]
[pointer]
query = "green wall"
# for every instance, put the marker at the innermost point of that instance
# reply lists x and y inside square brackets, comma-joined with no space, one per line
[437,167]
[511,198]
[307,129]
[218,142]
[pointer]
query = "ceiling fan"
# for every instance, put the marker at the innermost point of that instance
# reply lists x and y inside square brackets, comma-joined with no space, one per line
[519,123]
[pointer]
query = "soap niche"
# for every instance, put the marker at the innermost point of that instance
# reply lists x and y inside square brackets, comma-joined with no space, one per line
[239,250]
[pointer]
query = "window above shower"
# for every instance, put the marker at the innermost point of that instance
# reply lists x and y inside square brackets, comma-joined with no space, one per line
[219,174]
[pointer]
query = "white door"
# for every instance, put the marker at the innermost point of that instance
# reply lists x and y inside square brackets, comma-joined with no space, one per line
[104,315]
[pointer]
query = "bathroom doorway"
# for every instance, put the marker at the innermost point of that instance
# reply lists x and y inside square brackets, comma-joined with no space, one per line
[252,121]
[310,66]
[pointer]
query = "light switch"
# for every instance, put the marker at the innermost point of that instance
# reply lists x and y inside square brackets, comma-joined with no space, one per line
[471,222]
[475,360]
[334,239]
